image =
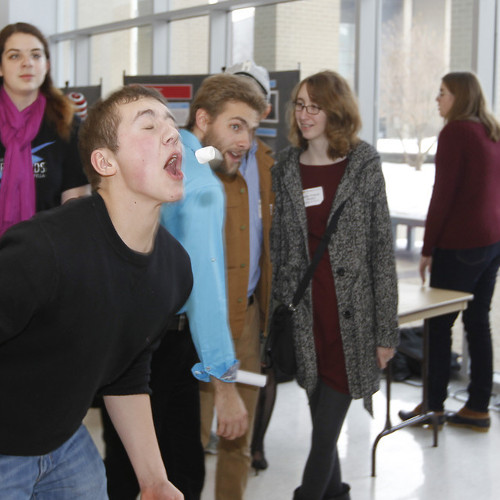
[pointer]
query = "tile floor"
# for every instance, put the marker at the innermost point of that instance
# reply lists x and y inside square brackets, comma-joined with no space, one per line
[465,465]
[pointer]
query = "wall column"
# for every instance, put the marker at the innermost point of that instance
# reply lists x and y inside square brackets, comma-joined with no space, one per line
[367,59]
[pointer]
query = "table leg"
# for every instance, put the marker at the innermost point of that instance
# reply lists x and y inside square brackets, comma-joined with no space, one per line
[389,428]
[388,424]
[425,385]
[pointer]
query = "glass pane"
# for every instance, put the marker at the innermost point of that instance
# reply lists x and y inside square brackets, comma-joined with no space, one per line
[189,42]
[110,11]
[421,40]
[308,34]
[347,41]
[112,54]
[66,15]
[65,64]
[243,29]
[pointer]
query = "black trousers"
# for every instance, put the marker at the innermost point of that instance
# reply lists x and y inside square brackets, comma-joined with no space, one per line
[176,412]
[471,270]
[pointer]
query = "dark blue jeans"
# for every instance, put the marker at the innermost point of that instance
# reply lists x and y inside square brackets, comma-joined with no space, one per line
[72,471]
[472,270]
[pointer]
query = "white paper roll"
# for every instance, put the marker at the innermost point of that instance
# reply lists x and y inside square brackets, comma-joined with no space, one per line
[251,378]
[209,155]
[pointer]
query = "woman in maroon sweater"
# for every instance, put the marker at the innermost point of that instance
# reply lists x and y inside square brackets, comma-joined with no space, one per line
[462,242]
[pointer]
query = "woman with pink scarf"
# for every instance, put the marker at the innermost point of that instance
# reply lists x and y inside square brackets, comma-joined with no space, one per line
[40,166]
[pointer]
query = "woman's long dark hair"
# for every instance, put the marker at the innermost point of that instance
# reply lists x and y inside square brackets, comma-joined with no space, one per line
[59,110]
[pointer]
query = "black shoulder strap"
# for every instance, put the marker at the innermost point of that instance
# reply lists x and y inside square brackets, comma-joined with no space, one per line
[325,239]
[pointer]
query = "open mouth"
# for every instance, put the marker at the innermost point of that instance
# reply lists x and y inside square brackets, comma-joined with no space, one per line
[173,167]
[235,156]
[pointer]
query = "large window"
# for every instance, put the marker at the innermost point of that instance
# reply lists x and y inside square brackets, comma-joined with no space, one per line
[347,40]
[189,46]
[421,40]
[65,54]
[119,52]
[311,35]
[90,12]
[74,14]
[243,22]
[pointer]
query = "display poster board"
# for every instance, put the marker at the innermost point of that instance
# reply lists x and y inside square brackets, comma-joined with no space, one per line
[179,90]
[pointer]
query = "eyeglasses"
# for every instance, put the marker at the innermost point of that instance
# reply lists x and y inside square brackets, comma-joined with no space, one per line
[442,93]
[312,109]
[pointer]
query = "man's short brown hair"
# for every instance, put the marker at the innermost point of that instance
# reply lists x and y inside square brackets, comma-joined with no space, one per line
[217,90]
[100,129]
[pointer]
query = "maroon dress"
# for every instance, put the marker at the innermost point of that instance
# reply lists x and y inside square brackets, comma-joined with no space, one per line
[326,327]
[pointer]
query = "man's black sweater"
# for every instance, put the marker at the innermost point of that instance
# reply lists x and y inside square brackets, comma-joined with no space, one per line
[79,314]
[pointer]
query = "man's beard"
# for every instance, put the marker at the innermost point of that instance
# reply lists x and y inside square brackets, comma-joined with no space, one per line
[211,139]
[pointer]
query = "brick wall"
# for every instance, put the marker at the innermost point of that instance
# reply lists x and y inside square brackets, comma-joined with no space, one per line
[301,34]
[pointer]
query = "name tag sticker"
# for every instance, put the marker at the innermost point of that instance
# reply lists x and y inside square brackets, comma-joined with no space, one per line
[313,196]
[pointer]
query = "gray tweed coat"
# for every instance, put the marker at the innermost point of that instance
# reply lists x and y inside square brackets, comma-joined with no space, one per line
[362,260]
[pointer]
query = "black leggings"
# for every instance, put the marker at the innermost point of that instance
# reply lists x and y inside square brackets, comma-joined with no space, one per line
[322,475]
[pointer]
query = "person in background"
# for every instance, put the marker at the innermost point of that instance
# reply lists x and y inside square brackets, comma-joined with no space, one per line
[462,243]
[345,326]
[247,187]
[86,291]
[224,114]
[267,394]
[40,166]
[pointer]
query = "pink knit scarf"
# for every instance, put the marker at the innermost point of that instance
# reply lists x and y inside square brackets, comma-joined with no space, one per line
[17,183]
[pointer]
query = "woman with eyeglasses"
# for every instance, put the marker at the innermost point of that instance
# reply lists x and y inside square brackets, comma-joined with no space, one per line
[462,243]
[345,326]
[39,161]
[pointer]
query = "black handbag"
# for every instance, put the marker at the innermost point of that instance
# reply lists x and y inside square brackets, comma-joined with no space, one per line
[279,348]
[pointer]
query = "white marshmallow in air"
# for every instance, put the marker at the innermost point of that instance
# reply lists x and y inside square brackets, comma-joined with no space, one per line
[209,155]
